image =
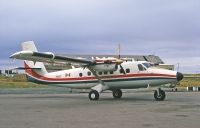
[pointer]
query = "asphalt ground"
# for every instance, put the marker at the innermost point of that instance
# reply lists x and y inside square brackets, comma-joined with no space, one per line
[134,110]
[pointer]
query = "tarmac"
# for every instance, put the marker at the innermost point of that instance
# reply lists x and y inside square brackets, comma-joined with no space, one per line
[134,110]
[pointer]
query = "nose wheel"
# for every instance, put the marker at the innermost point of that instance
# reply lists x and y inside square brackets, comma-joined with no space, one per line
[93,95]
[159,95]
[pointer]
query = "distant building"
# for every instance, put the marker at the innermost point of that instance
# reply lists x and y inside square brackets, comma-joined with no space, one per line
[6,71]
[10,72]
[166,66]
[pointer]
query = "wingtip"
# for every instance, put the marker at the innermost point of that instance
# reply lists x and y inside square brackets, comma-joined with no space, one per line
[12,56]
[21,55]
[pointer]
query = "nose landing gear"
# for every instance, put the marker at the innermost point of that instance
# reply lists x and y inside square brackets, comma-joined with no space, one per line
[159,95]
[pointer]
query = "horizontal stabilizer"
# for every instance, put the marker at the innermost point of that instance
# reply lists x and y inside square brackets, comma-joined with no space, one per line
[23,68]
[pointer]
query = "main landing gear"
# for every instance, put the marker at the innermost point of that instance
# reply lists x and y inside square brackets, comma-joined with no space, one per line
[159,95]
[117,93]
[94,95]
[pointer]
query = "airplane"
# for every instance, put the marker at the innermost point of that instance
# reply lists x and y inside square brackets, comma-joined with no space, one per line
[98,75]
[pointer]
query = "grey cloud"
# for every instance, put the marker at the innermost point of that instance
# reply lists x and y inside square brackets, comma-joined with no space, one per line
[166,28]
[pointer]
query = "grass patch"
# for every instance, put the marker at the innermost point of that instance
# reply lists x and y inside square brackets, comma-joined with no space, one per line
[18,81]
[21,85]
[190,80]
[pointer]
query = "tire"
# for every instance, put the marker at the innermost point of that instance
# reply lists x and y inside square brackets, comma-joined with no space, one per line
[93,95]
[161,95]
[117,93]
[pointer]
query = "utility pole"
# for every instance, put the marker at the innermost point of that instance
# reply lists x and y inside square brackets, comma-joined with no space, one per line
[119,50]
[177,66]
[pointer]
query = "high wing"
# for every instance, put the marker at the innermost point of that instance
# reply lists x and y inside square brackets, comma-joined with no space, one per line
[49,58]
[30,53]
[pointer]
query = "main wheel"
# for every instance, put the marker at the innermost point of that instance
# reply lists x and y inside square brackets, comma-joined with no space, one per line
[93,95]
[117,93]
[161,95]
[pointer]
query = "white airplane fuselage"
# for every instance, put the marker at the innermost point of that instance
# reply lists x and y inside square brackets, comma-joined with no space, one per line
[97,75]
[83,78]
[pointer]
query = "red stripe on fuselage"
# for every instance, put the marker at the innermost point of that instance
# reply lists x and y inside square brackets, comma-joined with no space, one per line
[31,72]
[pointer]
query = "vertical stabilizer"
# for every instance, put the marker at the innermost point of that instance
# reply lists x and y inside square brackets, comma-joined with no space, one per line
[30,46]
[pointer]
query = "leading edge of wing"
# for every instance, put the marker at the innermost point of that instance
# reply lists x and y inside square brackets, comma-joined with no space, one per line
[47,57]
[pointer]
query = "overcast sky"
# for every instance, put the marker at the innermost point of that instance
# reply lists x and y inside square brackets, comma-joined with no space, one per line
[167,28]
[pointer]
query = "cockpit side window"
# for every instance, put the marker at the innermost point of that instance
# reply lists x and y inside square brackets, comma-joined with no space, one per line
[141,68]
[147,65]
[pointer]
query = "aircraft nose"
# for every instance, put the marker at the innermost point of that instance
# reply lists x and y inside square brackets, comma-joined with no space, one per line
[179,76]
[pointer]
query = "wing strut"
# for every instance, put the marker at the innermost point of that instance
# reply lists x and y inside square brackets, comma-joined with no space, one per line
[101,86]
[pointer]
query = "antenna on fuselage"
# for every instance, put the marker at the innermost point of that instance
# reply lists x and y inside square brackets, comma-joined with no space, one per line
[178,66]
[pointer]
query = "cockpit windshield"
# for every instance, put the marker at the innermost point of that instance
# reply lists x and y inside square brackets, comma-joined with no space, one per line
[147,65]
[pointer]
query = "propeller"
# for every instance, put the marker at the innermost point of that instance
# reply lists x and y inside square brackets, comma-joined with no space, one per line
[122,69]
[119,61]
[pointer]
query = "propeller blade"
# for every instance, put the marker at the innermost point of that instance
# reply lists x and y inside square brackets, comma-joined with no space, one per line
[122,69]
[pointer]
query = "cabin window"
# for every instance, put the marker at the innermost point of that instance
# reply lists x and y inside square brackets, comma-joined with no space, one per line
[89,73]
[127,70]
[105,73]
[80,74]
[67,74]
[111,72]
[141,68]
[100,73]
[58,76]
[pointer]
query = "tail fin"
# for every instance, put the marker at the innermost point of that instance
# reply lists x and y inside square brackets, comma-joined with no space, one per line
[29,46]
[36,67]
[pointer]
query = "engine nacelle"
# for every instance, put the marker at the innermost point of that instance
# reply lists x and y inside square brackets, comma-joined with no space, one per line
[105,67]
